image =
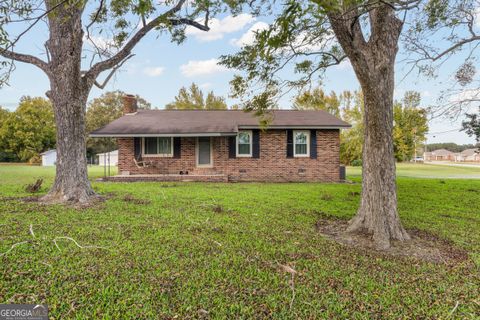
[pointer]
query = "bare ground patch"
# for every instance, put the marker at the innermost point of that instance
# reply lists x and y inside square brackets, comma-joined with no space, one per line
[131,199]
[423,246]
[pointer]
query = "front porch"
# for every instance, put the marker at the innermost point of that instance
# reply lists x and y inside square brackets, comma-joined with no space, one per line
[182,158]
[167,178]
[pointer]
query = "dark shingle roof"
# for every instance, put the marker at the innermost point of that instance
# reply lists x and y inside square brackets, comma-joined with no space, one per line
[470,152]
[218,122]
[442,152]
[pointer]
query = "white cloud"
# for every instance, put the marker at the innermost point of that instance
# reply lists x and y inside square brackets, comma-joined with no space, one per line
[220,27]
[100,42]
[305,43]
[426,94]
[201,67]
[466,96]
[205,85]
[477,17]
[153,71]
[248,37]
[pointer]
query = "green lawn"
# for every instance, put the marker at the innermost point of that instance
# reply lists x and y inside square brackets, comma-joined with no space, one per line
[428,171]
[217,247]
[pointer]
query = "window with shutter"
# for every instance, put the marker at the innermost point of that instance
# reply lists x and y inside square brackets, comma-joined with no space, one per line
[256,143]
[244,144]
[289,144]
[301,143]
[158,147]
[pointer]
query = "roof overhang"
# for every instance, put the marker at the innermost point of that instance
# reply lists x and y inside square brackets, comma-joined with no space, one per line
[133,135]
[294,127]
[210,134]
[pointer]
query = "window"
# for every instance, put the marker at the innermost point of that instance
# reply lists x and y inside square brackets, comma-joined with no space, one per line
[244,144]
[158,146]
[301,143]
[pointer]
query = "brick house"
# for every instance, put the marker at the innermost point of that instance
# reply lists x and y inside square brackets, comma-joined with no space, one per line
[227,145]
[439,155]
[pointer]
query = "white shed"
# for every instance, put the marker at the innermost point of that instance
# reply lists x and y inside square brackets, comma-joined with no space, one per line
[103,158]
[49,158]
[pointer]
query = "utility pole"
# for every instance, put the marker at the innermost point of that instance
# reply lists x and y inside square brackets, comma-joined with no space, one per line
[415,145]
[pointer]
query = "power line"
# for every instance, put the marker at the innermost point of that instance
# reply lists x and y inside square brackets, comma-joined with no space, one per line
[441,132]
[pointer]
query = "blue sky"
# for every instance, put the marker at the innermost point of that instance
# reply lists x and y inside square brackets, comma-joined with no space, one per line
[160,68]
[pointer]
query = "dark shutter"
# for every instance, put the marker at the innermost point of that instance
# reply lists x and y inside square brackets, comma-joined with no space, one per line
[177,147]
[232,147]
[289,144]
[137,148]
[342,173]
[313,144]
[256,143]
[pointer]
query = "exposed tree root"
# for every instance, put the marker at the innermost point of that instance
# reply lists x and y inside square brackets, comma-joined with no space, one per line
[76,243]
[79,201]
[383,232]
[13,247]
[32,233]
[421,245]
[291,283]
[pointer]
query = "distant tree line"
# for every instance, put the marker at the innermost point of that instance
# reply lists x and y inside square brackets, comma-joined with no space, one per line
[27,131]
[450,146]
[410,121]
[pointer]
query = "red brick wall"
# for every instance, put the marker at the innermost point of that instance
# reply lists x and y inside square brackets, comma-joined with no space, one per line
[273,165]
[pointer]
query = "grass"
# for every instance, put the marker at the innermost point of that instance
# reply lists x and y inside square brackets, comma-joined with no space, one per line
[217,247]
[429,171]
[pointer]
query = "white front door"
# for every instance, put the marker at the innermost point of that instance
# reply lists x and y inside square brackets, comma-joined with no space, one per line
[204,152]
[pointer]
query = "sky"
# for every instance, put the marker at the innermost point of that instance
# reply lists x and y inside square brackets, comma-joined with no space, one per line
[160,68]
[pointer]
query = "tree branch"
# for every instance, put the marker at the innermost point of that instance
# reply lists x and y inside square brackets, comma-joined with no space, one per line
[99,67]
[110,75]
[26,58]
[454,47]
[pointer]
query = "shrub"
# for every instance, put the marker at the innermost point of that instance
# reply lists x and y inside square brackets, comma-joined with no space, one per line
[357,163]
[35,160]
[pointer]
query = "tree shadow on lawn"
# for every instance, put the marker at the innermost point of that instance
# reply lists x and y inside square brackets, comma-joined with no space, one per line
[423,246]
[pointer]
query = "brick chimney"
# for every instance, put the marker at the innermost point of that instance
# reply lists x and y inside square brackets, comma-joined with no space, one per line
[129,104]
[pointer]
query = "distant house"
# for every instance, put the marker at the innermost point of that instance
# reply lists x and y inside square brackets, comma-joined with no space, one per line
[49,158]
[468,155]
[108,158]
[439,155]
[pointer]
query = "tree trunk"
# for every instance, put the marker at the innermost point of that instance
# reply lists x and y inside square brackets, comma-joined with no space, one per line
[69,94]
[378,214]
[373,62]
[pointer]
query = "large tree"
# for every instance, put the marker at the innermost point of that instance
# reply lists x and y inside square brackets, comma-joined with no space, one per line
[193,99]
[86,39]
[29,130]
[351,143]
[5,156]
[314,35]
[317,99]
[410,127]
